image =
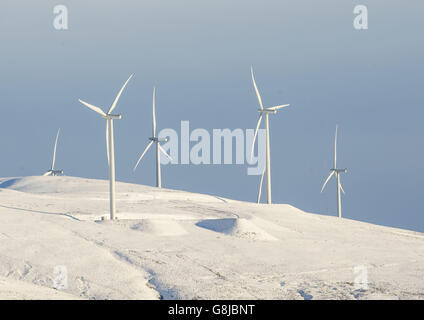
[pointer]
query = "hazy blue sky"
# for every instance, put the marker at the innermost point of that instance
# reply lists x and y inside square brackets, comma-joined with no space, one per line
[198,54]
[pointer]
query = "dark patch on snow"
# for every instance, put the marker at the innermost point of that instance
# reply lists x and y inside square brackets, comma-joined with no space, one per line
[165,293]
[358,293]
[218,225]
[305,295]
[9,183]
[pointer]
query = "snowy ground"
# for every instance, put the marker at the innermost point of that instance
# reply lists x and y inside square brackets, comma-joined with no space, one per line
[180,245]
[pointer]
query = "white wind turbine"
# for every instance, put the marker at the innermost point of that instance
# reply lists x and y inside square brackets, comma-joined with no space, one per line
[52,171]
[264,111]
[337,172]
[157,140]
[110,144]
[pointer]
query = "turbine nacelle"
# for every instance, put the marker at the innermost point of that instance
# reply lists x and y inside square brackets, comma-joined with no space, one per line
[266,110]
[112,116]
[339,170]
[155,139]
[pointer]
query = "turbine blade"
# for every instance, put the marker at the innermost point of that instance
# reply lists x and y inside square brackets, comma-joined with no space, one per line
[142,155]
[260,187]
[118,95]
[335,148]
[278,107]
[94,108]
[256,88]
[154,112]
[326,181]
[164,152]
[107,141]
[256,133]
[47,173]
[54,150]
[341,188]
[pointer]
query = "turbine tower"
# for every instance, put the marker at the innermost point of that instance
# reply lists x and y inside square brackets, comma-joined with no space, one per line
[52,171]
[110,144]
[264,111]
[337,172]
[157,140]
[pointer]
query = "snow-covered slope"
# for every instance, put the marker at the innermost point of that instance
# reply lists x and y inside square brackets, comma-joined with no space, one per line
[175,244]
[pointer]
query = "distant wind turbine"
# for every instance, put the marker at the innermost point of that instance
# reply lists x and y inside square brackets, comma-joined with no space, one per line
[110,144]
[337,172]
[264,111]
[52,171]
[157,140]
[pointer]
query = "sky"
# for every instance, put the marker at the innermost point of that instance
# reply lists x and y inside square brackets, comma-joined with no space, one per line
[198,55]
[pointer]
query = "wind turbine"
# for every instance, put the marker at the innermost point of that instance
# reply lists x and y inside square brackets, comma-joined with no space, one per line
[337,172]
[264,111]
[110,144]
[52,171]
[157,140]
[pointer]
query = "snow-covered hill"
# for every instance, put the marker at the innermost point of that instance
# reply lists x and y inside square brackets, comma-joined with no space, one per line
[175,244]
